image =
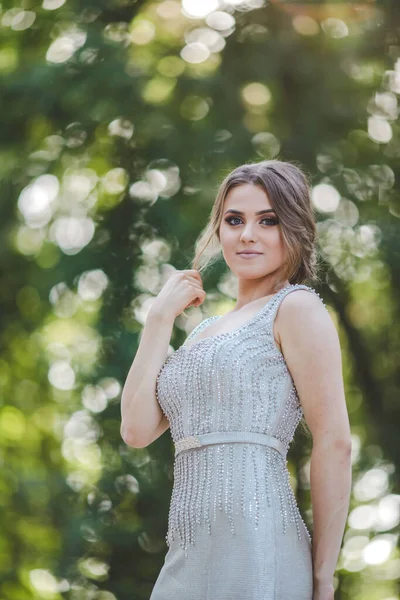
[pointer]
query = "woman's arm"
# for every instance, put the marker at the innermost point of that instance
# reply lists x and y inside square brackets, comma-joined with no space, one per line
[310,345]
[142,418]
[330,495]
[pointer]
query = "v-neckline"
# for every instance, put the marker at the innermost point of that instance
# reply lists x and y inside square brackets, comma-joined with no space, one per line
[233,331]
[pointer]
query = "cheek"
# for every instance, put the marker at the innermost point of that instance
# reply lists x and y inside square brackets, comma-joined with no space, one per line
[278,238]
[226,235]
[282,246]
[272,238]
[276,245]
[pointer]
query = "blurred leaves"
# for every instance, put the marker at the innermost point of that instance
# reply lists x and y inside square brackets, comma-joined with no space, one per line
[119,120]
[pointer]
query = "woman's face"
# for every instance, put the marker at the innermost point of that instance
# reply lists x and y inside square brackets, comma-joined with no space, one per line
[250,231]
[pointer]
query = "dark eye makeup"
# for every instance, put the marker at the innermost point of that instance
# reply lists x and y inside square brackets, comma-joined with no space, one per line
[270,221]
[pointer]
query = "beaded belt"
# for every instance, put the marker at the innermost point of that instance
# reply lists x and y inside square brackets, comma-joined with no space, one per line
[222,437]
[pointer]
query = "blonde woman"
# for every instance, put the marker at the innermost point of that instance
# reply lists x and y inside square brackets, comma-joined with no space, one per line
[233,395]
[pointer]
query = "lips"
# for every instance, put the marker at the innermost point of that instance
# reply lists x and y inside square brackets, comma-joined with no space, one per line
[249,252]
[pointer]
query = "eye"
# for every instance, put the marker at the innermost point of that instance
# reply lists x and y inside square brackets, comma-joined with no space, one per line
[270,221]
[230,219]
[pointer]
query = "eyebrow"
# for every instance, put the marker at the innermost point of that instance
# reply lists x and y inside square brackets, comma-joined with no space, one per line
[260,212]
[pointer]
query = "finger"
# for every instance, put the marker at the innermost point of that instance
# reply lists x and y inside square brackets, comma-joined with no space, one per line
[193,273]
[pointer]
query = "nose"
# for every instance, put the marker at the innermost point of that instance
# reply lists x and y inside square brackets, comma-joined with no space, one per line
[248,233]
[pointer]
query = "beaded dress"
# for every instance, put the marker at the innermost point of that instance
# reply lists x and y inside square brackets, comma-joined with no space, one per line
[234,527]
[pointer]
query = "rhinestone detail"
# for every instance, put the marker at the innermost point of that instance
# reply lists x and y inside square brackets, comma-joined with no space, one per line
[233,381]
[187,443]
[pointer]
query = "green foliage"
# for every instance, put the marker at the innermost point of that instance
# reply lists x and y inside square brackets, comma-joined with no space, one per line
[116,129]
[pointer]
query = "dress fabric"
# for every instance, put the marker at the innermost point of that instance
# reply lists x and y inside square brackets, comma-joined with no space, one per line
[234,528]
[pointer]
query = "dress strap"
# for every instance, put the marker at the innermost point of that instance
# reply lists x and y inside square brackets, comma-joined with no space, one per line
[275,304]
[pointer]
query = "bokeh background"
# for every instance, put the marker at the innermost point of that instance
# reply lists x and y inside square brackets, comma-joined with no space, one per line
[119,119]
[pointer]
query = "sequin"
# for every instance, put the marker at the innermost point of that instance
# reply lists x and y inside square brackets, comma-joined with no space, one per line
[236,381]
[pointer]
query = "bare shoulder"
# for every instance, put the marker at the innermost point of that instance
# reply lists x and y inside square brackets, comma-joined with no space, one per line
[311,347]
[303,310]
[302,302]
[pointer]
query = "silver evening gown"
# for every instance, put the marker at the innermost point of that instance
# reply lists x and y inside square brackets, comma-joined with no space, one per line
[234,527]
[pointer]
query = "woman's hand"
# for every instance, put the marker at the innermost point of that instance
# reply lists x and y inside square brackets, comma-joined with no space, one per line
[323,591]
[181,290]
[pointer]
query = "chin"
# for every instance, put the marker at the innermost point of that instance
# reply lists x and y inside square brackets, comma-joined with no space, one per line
[251,273]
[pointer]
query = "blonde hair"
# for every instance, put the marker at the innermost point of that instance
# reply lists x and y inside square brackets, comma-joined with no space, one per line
[289,190]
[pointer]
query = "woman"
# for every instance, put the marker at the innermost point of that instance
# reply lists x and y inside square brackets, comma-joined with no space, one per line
[234,394]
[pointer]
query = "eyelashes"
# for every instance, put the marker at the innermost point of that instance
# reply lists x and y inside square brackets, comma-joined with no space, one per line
[271,221]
